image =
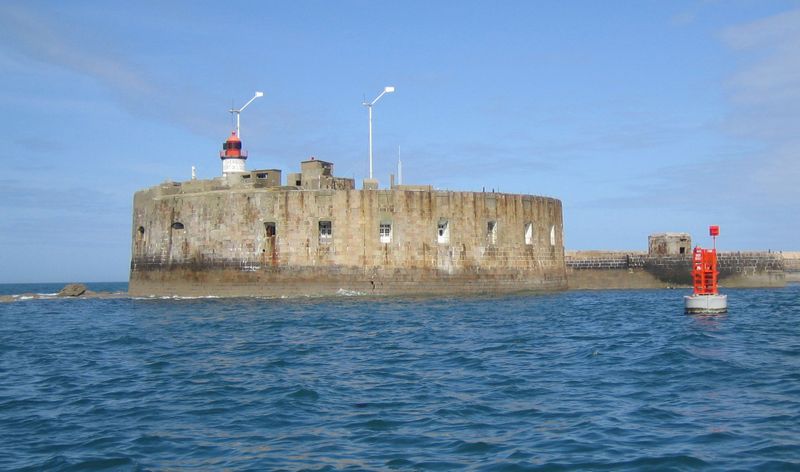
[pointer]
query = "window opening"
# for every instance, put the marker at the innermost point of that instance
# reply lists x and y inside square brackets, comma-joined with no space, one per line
[491,232]
[552,235]
[325,231]
[443,232]
[177,225]
[261,175]
[529,233]
[140,233]
[386,232]
[269,229]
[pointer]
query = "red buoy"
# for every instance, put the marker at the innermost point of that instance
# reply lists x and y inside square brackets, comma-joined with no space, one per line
[706,297]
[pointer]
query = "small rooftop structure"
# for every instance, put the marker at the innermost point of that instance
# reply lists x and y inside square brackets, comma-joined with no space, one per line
[263,177]
[669,244]
[318,175]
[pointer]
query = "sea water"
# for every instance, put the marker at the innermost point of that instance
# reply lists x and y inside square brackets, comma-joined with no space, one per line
[606,380]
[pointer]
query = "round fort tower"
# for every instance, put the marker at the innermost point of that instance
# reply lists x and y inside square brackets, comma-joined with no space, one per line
[247,234]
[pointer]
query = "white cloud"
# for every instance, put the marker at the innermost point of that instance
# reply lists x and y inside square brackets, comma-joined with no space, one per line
[765,92]
[769,49]
[768,32]
[37,38]
[27,36]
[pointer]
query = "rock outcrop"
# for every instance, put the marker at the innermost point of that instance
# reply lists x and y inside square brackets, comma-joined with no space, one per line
[72,290]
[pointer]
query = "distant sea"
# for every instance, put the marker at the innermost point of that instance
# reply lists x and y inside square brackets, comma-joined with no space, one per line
[608,380]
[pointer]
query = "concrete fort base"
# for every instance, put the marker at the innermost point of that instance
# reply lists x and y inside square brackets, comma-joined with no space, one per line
[706,304]
[302,282]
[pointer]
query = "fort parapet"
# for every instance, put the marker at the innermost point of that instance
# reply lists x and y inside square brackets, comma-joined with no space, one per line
[247,235]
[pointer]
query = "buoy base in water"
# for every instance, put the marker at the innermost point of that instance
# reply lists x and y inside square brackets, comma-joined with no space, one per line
[708,304]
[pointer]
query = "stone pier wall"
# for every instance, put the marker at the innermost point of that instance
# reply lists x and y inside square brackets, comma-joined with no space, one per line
[600,270]
[791,264]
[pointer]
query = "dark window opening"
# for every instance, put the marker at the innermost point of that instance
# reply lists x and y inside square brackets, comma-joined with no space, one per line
[683,250]
[177,225]
[261,175]
[246,176]
[140,233]
[269,228]
[491,232]
[325,231]
[443,231]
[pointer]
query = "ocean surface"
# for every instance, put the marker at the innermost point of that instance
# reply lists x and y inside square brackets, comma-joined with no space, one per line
[610,380]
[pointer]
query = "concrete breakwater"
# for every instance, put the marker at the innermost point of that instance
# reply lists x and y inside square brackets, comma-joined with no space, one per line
[623,269]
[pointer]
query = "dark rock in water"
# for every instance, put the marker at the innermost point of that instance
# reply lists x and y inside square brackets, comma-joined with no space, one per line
[72,290]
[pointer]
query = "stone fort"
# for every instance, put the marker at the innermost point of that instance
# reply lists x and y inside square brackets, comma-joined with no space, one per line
[249,234]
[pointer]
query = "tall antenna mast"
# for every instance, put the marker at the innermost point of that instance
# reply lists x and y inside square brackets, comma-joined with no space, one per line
[399,167]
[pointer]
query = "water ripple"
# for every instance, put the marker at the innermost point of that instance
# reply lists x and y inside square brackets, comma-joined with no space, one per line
[572,381]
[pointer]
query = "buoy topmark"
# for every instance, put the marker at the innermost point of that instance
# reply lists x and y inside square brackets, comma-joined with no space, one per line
[706,298]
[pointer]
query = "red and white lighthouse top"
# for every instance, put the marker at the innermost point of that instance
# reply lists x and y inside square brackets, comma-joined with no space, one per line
[232,148]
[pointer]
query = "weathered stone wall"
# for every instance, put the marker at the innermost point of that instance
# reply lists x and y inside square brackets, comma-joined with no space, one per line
[206,238]
[791,264]
[598,270]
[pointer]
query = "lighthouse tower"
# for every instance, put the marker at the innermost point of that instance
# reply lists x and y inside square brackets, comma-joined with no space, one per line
[232,155]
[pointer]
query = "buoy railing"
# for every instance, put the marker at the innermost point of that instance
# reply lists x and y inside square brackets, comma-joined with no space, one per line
[704,271]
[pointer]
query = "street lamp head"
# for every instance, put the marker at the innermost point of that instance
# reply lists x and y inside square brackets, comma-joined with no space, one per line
[259,94]
[389,89]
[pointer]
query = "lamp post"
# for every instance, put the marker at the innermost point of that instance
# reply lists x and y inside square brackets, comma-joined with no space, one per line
[386,90]
[233,110]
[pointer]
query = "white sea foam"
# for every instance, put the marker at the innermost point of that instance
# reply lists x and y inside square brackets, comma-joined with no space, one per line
[350,293]
[173,297]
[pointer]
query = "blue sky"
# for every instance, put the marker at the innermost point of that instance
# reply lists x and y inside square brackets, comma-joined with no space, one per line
[641,117]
